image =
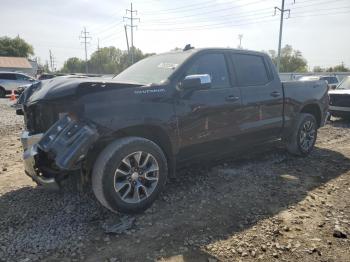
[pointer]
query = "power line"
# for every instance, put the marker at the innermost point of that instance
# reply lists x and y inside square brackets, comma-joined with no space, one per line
[268,18]
[211,11]
[262,19]
[227,22]
[320,14]
[131,19]
[184,19]
[85,36]
[235,17]
[188,8]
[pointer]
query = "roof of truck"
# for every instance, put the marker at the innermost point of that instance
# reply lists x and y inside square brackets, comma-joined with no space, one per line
[196,50]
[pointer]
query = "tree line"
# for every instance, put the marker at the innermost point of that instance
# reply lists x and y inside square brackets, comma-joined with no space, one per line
[111,60]
[106,60]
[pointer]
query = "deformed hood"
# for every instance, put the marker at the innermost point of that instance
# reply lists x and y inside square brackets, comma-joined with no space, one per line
[61,87]
[56,88]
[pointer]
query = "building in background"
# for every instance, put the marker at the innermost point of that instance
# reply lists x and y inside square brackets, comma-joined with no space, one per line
[18,64]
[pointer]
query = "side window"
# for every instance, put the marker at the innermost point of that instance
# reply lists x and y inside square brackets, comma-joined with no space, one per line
[22,77]
[215,66]
[250,70]
[8,76]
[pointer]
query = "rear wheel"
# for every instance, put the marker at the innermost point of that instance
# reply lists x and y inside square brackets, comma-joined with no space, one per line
[129,174]
[303,139]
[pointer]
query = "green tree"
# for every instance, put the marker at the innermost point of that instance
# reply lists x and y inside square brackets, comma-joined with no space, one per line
[73,65]
[338,68]
[291,60]
[15,47]
[107,60]
[318,69]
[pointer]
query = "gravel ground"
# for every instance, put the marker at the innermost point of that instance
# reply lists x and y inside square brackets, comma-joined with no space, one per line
[265,207]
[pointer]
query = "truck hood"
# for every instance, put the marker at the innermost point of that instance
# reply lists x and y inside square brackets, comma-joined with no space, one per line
[62,87]
[340,92]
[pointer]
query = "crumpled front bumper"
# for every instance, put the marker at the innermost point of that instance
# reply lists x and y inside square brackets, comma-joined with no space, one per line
[64,145]
[30,147]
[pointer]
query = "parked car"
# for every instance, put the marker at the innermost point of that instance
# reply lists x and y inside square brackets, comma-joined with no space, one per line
[126,135]
[331,80]
[10,81]
[46,76]
[340,99]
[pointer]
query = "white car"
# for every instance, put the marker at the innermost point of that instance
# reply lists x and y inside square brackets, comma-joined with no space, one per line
[339,105]
[12,80]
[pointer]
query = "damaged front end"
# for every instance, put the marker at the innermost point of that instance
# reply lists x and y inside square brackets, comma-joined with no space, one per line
[49,157]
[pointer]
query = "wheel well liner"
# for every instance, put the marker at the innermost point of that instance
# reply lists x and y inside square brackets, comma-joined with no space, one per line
[314,110]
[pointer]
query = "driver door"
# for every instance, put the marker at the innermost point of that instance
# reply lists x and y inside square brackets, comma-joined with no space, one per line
[208,117]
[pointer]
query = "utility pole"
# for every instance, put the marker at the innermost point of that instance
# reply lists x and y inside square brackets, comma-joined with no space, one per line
[282,10]
[240,36]
[131,18]
[99,55]
[127,39]
[85,36]
[52,61]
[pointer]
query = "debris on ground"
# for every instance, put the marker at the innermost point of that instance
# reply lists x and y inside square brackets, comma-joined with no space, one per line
[126,223]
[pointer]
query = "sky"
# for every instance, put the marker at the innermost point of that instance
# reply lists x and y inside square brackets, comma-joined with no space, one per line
[318,28]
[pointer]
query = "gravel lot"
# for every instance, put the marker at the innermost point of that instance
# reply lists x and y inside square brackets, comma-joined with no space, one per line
[265,207]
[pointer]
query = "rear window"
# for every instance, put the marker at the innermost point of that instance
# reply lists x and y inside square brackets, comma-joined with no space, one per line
[251,70]
[8,76]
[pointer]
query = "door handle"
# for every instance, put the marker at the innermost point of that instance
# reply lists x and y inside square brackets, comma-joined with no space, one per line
[275,94]
[232,98]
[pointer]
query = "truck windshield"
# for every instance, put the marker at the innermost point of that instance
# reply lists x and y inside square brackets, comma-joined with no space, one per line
[154,69]
[345,84]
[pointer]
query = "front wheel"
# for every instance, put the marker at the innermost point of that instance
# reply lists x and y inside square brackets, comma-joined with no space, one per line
[303,139]
[129,174]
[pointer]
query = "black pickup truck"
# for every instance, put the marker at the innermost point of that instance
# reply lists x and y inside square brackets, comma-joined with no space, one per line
[124,136]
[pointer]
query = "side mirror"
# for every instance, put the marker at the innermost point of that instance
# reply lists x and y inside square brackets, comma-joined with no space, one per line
[196,82]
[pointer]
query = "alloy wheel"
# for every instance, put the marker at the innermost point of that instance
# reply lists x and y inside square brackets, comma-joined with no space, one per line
[136,177]
[307,135]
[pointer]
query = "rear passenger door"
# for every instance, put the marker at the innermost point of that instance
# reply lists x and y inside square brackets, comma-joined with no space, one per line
[262,97]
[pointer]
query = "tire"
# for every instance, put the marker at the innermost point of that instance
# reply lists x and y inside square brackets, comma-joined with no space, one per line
[121,163]
[303,139]
[2,92]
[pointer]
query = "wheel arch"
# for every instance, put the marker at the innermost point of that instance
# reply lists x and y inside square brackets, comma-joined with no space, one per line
[151,132]
[313,109]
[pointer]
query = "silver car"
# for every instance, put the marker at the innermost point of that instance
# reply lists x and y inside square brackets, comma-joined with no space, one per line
[11,81]
[331,80]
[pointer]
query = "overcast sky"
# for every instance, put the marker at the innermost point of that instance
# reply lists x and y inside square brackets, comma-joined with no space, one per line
[318,28]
